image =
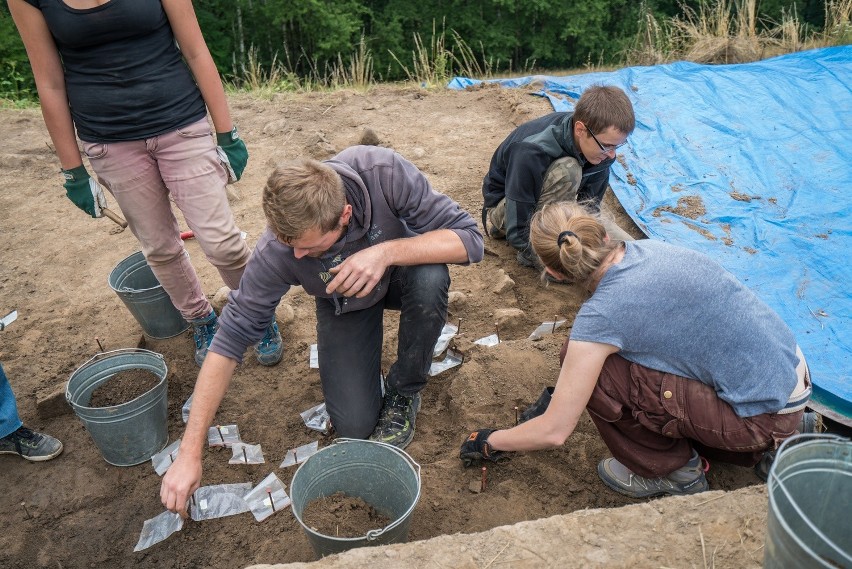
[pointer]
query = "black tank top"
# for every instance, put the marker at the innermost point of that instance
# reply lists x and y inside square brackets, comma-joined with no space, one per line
[124,74]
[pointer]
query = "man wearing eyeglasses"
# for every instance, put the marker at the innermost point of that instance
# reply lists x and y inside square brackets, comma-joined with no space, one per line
[562,156]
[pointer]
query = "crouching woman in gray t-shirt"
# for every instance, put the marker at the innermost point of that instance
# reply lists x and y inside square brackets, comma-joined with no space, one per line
[672,356]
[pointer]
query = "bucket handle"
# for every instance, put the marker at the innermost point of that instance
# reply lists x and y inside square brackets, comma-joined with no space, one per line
[795,439]
[374,534]
[100,355]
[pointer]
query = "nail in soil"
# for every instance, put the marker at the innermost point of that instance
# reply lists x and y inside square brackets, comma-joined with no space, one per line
[458,328]
[99,344]
[271,501]
[482,482]
[219,428]
[555,317]
[26,511]
[516,415]
[245,456]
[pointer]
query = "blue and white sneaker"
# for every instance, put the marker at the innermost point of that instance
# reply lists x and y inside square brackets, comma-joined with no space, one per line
[203,331]
[270,349]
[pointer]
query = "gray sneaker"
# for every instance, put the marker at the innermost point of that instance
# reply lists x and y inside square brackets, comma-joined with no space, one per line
[30,445]
[688,479]
[396,420]
[528,258]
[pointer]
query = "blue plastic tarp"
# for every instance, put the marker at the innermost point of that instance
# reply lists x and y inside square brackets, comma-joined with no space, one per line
[752,165]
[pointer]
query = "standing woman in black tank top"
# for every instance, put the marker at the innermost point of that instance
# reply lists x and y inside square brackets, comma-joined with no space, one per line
[133,80]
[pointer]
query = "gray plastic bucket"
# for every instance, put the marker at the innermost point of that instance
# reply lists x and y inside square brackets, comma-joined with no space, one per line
[135,284]
[810,494]
[382,475]
[130,433]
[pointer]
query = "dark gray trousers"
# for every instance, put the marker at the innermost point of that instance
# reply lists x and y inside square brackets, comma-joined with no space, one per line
[350,347]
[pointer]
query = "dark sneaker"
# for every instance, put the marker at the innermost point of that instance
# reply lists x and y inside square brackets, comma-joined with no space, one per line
[528,258]
[688,479]
[270,349]
[203,330]
[396,420]
[30,445]
[811,423]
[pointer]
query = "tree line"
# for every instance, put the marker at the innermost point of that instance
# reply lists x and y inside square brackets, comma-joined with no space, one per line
[305,36]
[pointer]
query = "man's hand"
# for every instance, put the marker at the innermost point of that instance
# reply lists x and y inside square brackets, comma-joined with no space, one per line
[233,153]
[476,448]
[359,274]
[84,191]
[182,479]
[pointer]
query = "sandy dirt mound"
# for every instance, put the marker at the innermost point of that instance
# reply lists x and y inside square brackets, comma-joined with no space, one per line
[54,263]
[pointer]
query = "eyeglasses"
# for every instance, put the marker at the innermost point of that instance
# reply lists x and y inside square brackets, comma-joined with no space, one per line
[609,147]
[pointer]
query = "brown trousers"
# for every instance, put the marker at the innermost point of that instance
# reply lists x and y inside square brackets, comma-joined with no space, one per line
[651,421]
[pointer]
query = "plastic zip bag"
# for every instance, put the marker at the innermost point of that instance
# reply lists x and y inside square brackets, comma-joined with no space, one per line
[165,458]
[451,360]
[245,453]
[219,500]
[184,411]
[447,333]
[157,529]
[267,498]
[545,328]
[223,436]
[317,418]
[313,358]
[488,341]
[299,454]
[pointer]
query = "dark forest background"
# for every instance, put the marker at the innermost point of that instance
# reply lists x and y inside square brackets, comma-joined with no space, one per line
[306,37]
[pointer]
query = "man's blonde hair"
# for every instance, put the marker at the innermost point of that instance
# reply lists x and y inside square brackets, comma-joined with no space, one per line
[303,195]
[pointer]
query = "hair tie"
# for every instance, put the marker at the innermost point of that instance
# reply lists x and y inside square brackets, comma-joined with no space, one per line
[563,237]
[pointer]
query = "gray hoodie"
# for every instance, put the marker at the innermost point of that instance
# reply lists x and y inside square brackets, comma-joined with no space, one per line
[390,199]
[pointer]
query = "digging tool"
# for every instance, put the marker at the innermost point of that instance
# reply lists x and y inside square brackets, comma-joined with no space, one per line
[8,319]
[114,216]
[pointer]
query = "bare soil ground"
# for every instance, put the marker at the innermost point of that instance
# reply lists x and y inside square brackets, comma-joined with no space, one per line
[54,263]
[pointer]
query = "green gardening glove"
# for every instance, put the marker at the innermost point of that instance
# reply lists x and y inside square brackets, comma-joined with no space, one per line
[233,153]
[84,191]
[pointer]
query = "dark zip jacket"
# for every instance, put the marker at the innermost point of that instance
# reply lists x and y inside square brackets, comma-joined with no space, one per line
[520,162]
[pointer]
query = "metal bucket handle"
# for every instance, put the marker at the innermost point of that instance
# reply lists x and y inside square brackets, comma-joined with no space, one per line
[374,534]
[795,439]
[100,355]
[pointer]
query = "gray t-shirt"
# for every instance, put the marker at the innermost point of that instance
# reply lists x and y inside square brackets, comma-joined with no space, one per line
[678,311]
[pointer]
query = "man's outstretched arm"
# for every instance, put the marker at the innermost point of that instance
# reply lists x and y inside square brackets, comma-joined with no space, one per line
[184,476]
